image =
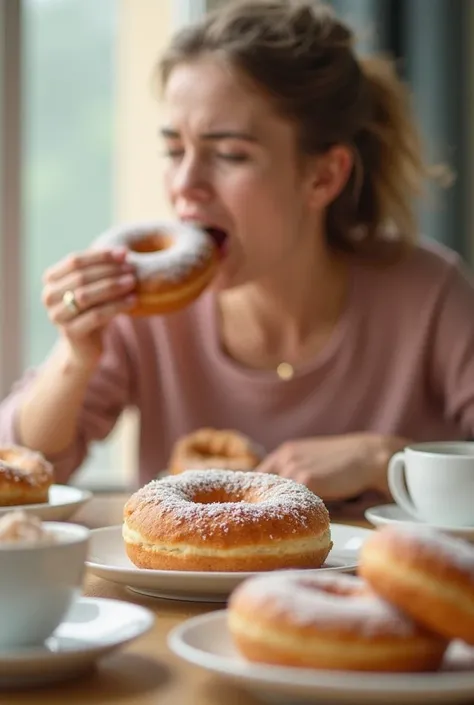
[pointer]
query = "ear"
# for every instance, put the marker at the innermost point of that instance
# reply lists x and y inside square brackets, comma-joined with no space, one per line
[328,174]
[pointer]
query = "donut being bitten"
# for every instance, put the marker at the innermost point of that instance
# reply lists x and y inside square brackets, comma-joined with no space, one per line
[213,448]
[174,263]
[25,477]
[327,622]
[427,574]
[225,520]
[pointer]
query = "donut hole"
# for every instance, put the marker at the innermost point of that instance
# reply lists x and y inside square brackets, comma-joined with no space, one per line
[220,448]
[219,496]
[156,242]
[203,452]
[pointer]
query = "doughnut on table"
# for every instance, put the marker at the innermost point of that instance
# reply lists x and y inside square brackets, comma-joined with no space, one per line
[145,672]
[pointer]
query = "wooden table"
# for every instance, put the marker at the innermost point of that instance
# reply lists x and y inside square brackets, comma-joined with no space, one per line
[145,672]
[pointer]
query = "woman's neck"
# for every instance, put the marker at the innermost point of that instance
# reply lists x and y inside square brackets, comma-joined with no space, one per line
[287,317]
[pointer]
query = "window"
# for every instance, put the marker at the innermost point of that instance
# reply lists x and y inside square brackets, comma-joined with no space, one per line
[69,101]
[69,107]
[88,158]
[77,73]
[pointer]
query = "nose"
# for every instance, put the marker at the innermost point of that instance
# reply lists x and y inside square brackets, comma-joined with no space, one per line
[189,181]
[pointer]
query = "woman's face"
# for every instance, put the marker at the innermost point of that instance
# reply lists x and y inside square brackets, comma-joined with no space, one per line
[232,166]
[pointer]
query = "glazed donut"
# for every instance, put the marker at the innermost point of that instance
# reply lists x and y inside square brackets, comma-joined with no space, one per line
[174,263]
[211,448]
[25,477]
[225,520]
[427,574]
[327,622]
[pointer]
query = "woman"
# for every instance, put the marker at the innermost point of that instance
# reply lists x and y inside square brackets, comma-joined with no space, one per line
[329,337]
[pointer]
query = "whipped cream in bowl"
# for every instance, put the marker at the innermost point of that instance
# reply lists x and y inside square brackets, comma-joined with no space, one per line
[19,527]
[42,566]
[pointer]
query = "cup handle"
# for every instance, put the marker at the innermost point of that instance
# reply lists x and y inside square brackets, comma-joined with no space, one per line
[396,476]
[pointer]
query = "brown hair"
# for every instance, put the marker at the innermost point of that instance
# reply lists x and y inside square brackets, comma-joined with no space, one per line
[303,57]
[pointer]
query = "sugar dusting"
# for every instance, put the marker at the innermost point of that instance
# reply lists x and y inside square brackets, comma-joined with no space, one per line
[190,247]
[326,602]
[451,549]
[276,498]
[18,464]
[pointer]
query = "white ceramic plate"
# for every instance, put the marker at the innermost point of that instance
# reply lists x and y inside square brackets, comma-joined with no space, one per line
[393,514]
[63,502]
[107,559]
[92,628]
[205,641]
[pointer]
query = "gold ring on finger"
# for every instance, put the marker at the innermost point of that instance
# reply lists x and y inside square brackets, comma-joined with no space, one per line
[69,301]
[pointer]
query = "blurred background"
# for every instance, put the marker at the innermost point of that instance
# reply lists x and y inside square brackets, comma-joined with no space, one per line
[79,147]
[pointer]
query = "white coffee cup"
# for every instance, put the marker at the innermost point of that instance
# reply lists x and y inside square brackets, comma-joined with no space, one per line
[38,584]
[434,482]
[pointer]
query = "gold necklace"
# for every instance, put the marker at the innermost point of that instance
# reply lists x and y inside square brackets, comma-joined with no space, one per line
[285,371]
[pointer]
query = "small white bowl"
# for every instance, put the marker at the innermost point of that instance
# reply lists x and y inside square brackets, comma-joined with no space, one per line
[38,584]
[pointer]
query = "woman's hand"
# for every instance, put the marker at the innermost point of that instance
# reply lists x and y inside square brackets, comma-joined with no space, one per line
[336,467]
[82,293]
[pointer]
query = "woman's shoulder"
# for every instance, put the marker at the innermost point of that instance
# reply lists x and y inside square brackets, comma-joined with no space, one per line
[430,281]
[426,266]
[430,257]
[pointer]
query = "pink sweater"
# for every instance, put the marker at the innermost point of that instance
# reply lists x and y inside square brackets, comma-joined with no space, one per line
[401,361]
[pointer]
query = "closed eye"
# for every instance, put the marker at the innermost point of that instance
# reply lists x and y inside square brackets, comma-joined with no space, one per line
[236,158]
[173,153]
[228,157]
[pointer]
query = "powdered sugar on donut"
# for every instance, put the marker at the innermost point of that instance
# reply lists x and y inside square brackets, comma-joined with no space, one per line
[341,602]
[18,464]
[274,498]
[190,247]
[455,551]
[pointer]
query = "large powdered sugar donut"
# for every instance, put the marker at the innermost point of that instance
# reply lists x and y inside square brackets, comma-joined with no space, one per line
[327,622]
[224,520]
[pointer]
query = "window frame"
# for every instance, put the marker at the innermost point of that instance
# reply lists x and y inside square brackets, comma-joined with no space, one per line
[11,239]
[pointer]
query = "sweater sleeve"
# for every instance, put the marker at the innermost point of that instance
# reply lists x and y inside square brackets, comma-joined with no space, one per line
[107,394]
[453,349]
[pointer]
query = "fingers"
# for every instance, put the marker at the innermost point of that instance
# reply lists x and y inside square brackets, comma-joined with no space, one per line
[105,291]
[76,262]
[101,284]
[79,282]
[97,279]
[267,465]
[106,297]
[94,319]
[284,461]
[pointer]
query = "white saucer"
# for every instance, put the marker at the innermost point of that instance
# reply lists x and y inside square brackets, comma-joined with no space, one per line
[205,641]
[92,628]
[107,559]
[63,502]
[393,514]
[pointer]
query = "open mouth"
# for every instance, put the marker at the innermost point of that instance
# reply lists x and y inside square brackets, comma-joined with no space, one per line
[219,237]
